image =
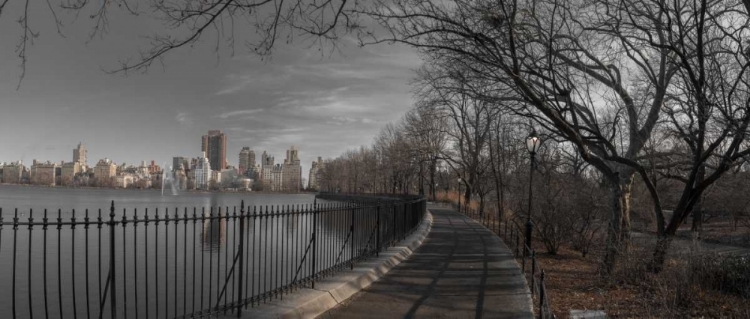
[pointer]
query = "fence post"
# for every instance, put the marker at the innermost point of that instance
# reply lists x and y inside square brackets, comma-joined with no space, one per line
[377,235]
[393,239]
[406,205]
[314,242]
[517,242]
[242,258]
[351,229]
[113,300]
[542,294]
[533,271]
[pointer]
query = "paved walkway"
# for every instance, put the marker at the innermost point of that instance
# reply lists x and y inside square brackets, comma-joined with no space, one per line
[461,270]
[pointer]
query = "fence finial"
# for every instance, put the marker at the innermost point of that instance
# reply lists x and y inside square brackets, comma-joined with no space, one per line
[112,210]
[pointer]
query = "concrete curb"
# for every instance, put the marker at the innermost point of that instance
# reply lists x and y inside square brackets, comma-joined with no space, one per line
[332,291]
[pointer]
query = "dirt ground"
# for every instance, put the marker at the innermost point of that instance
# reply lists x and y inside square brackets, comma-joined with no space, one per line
[573,282]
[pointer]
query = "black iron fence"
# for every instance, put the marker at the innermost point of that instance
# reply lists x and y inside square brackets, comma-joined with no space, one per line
[512,235]
[185,263]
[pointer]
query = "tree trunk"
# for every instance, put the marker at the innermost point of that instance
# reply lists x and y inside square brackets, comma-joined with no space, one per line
[697,220]
[433,167]
[481,206]
[660,253]
[625,187]
[498,183]
[688,204]
[614,231]
[467,195]
[698,208]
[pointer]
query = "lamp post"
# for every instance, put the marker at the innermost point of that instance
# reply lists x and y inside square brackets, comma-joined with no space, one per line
[532,145]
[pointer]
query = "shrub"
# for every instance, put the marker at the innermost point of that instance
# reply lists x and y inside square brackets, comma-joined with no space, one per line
[728,274]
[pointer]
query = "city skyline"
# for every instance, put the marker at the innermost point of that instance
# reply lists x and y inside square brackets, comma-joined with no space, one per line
[188,173]
[80,157]
[324,101]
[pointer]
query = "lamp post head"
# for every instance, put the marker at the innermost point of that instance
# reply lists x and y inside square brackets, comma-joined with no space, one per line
[533,142]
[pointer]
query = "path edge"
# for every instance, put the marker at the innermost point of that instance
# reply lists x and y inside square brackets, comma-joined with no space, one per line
[527,286]
[332,291]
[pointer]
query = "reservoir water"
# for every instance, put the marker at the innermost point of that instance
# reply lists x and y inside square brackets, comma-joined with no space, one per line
[162,270]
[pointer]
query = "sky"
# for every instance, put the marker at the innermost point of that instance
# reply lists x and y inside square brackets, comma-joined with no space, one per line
[322,102]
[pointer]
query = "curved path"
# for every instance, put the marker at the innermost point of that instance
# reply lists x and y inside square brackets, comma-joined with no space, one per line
[462,270]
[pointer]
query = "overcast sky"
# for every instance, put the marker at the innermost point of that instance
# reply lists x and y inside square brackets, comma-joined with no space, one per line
[322,103]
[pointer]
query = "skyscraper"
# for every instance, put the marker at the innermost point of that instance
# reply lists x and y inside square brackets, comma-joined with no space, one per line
[251,159]
[247,160]
[314,178]
[266,171]
[180,161]
[202,173]
[215,146]
[79,155]
[292,171]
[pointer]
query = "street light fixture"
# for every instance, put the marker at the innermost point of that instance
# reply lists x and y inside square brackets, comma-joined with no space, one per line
[434,192]
[532,145]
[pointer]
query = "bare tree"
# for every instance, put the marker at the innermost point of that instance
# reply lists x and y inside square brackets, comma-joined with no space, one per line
[427,130]
[320,23]
[549,57]
[709,105]
[451,96]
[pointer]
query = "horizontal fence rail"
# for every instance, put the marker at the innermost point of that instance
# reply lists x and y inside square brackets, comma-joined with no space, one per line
[512,235]
[185,262]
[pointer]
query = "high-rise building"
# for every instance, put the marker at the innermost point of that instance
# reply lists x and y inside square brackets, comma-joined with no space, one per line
[251,159]
[313,181]
[43,173]
[292,155]
[178,161]
[292,171]
[253,171]
[277,178]
[105,172]
[69,172]
[80,154]
[202,172]
[13,172]
[247,160]
[266,171]
[215,146]
[153,168]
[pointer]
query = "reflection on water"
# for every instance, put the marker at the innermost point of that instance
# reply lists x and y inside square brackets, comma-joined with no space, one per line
[213,236]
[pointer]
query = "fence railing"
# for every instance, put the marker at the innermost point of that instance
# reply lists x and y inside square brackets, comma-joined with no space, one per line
[186,263]
[512,235]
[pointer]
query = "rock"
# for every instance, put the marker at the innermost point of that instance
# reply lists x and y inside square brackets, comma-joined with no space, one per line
[587,314]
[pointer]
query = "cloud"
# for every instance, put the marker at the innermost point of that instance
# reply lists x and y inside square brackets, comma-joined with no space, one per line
[184,118]
[344,120]
[238,113]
